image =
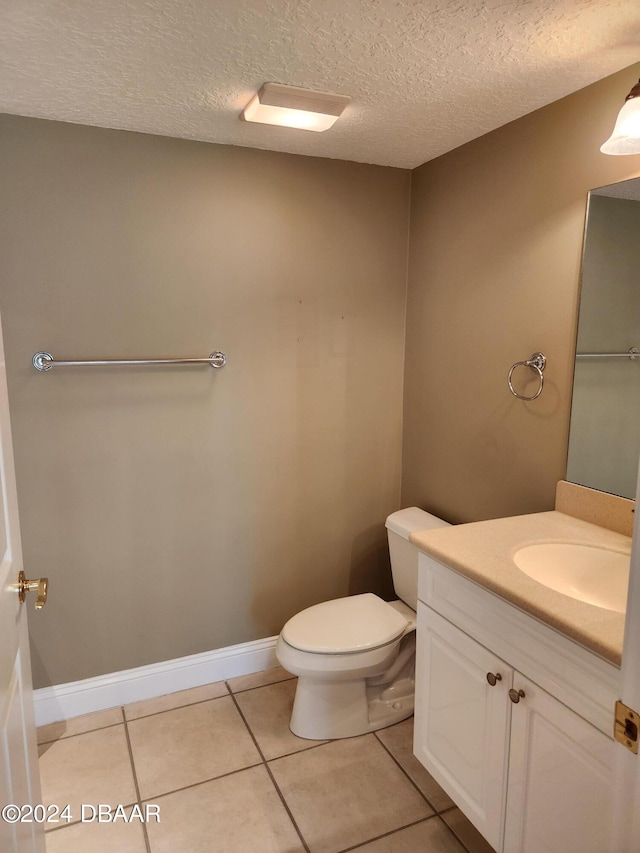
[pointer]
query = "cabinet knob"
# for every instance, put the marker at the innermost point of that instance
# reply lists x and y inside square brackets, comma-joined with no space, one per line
[493,677]
[516,695]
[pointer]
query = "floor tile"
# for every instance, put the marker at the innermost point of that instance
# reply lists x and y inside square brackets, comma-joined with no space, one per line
[267,711]
[429,836]
[79,725]
[398,740]
[88,768]
[135,710]
[258,679]
[347,792]
[98,838]
[240,813]
[466,832]
[189,745]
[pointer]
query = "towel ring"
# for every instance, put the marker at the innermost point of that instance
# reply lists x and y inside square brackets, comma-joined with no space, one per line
[538,363]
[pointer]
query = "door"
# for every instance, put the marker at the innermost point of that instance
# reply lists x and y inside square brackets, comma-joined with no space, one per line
[19,780]
[560,774]
[462,720]
[625,835]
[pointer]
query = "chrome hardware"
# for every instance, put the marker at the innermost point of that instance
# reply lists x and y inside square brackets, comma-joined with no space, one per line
[632,353]
[45,361]
[42,361]
[537,362]
[41,585]
[625,729]
[493,678]
[516,695]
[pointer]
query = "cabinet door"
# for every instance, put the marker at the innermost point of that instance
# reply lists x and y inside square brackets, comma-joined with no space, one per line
[461,722]
[560,778]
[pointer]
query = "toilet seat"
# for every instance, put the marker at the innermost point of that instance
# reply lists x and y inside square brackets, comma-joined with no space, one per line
[357,623]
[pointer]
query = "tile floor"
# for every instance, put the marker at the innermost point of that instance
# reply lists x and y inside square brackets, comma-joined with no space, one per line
[227,775]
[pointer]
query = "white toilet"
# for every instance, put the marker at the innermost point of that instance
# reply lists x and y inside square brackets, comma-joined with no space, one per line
[355,657]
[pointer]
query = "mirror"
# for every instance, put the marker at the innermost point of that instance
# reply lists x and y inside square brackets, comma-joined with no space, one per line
[604,437]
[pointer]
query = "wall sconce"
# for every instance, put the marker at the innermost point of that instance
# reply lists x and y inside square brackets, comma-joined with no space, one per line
[290,106]
[625,138]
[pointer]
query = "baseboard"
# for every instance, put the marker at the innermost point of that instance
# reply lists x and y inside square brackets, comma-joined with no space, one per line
[63,701]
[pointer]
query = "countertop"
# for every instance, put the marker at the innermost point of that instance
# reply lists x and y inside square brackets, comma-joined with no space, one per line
[483,551]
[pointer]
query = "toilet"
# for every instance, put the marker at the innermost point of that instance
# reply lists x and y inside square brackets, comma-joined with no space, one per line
[355,656]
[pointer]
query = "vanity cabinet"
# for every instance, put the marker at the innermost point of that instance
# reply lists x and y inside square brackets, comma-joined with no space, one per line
[461,723]
[559,783]
[527,769]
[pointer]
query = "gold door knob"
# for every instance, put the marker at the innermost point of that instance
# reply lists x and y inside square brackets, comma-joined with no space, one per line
[516,695]
[41,585]
[492,678]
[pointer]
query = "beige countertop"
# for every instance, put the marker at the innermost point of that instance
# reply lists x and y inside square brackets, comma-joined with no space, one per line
[483,551]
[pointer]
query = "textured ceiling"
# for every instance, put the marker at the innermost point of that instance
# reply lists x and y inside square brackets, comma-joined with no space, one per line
[424,76]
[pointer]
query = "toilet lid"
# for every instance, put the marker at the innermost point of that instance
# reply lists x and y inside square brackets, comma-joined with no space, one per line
[345,625]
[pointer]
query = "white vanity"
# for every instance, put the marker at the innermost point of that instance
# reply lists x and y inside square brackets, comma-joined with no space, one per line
[516,685]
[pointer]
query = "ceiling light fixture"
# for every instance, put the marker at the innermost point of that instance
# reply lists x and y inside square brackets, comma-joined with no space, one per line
[625,138]
[290,106]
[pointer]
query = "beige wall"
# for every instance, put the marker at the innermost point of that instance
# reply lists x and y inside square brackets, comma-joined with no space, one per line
[182,510]
[185,509]
[495,246]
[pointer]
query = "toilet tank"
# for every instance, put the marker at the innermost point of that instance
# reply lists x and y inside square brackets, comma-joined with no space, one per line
[404,555]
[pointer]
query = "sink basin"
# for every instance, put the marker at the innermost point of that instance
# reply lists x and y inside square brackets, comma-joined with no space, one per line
[594,575]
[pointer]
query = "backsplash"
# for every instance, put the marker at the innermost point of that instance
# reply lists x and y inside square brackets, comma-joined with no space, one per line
[605,510]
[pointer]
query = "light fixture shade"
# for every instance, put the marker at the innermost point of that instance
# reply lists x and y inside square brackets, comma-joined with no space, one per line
[291,106]
[625,138]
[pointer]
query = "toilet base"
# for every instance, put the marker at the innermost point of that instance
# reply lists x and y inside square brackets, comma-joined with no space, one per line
[325,709]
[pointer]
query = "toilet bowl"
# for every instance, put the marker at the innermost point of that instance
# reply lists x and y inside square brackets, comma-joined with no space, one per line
[355,656]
